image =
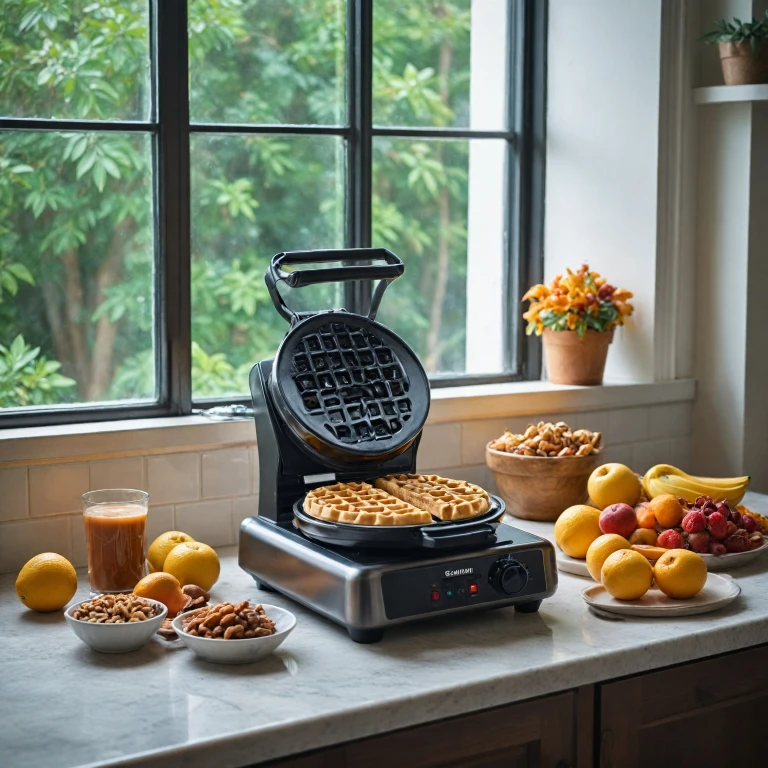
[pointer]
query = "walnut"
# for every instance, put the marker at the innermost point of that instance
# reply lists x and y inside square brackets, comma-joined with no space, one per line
[550,440]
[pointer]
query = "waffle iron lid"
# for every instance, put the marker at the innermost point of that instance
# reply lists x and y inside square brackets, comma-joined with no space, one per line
[352,383]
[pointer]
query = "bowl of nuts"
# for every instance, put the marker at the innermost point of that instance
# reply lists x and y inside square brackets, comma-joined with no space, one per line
[544,470]
[116,623]
[234,633]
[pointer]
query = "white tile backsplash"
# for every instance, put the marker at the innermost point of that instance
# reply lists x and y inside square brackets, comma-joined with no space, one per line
[14,503]
[21,541]
[119,473]
[226,473]
[174,477]
[207,521]
[440,446]
[57,489]
[208,494]
[671,420]
[245,506]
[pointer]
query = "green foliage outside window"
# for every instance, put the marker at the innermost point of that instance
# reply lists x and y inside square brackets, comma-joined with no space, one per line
[77,244]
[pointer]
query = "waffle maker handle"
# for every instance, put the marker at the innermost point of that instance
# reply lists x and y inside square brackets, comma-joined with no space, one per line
[447,537]
[298,278]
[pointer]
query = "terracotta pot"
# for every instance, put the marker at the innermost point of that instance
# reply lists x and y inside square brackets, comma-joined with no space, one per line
[572,359]
[538,488]
[739,67]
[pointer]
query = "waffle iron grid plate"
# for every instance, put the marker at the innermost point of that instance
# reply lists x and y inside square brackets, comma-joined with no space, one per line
[353,383]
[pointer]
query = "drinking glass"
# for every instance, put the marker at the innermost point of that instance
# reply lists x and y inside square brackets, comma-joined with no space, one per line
[115,522]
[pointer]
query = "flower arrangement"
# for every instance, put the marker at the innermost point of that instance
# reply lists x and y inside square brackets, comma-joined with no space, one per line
[577,301]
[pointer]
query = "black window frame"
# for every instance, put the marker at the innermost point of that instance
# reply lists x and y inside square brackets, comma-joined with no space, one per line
[170,129]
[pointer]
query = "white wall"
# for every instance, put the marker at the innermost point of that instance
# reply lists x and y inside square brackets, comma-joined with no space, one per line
[602,151]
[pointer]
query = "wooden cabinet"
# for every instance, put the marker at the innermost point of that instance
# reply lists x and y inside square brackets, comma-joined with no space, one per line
[708,713]
[540,732]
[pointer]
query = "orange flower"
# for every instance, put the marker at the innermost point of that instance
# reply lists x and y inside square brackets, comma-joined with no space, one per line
[575,301]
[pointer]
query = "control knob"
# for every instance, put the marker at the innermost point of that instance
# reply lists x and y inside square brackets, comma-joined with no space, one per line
[508,576]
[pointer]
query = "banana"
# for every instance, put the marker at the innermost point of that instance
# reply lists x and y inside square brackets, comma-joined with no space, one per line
[664,478]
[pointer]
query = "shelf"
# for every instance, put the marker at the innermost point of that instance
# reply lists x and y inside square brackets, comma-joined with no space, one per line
[723,94]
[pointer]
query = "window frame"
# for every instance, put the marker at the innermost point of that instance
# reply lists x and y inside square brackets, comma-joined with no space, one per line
[170,129]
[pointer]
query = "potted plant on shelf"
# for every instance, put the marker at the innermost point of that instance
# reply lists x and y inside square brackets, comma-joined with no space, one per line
[743,50]
[575,315]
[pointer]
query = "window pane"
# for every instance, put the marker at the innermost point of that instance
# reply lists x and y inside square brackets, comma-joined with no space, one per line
[440,63]
[267,61]
[75,60]
[76,268]
[253,197]
[440,206]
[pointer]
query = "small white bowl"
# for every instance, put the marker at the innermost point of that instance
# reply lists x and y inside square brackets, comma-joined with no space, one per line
[115,638]
[243,651]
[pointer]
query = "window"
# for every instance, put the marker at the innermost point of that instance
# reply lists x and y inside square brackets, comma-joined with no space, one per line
[134,240]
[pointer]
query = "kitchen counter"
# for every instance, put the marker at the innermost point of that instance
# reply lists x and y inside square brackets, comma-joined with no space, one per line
[64,705]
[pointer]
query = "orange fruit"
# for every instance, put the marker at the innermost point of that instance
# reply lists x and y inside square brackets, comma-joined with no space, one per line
[47,582]
[626,574]
[599,550]
[162,545]
[680,573]
[667,510]
[194,563]
[576,528]
[650,552]
[645,516]
[614,484]
[163,587]
[644,536]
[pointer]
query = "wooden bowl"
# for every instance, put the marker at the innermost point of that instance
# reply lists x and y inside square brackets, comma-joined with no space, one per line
[539,488]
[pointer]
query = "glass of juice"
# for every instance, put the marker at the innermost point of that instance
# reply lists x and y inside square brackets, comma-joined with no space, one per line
[115,521]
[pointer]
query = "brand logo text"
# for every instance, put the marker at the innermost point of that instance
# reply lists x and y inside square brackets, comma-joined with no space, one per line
[458,572]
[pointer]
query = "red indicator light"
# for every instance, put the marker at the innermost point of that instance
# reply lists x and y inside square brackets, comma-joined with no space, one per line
[435,595]
[473,588]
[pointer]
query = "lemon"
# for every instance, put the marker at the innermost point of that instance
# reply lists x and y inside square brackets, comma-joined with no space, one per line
[47,582]
[680,573]
[576,529]
[162,545]
[193,563]
[626,574]
[599,550]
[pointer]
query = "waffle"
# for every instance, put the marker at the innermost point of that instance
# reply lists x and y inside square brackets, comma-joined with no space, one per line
[442,498]
[361,504]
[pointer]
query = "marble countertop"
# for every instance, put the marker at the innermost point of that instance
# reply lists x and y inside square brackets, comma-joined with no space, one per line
[64,705]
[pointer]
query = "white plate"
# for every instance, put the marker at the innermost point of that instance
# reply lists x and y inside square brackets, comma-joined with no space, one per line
[718,592]
[733,559]
[242,651]
[568,564]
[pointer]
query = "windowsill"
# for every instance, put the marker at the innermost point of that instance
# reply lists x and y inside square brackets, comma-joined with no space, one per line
[194,433]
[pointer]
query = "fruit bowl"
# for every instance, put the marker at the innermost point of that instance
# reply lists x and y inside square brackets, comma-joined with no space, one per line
[733,559]
[233,651]
[540,488]
[718,592]
[116,638]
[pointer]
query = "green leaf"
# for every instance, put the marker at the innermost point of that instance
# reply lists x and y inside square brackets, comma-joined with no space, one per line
[22,168]
[99,176]
[21,272]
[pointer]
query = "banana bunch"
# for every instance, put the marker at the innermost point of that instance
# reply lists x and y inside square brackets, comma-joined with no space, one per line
[664,478]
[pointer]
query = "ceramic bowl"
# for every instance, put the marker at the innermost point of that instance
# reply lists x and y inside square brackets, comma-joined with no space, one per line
[115,638]
[539,488]
[242,651]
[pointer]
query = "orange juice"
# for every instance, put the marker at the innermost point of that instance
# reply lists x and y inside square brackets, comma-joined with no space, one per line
[114,535]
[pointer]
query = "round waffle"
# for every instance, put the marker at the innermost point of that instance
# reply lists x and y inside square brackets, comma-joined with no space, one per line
[443,498]
[361,504]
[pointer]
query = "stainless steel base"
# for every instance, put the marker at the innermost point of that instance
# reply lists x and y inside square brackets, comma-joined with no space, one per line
[366,591]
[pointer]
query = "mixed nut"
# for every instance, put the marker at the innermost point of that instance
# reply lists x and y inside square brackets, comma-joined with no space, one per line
[197,597]
[550,440]
[116,609]
[226,621]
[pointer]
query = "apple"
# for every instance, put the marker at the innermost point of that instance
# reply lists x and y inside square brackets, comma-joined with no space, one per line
[618,518]
[613,484]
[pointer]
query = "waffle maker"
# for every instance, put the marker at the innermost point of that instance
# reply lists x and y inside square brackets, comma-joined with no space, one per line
[345,399]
